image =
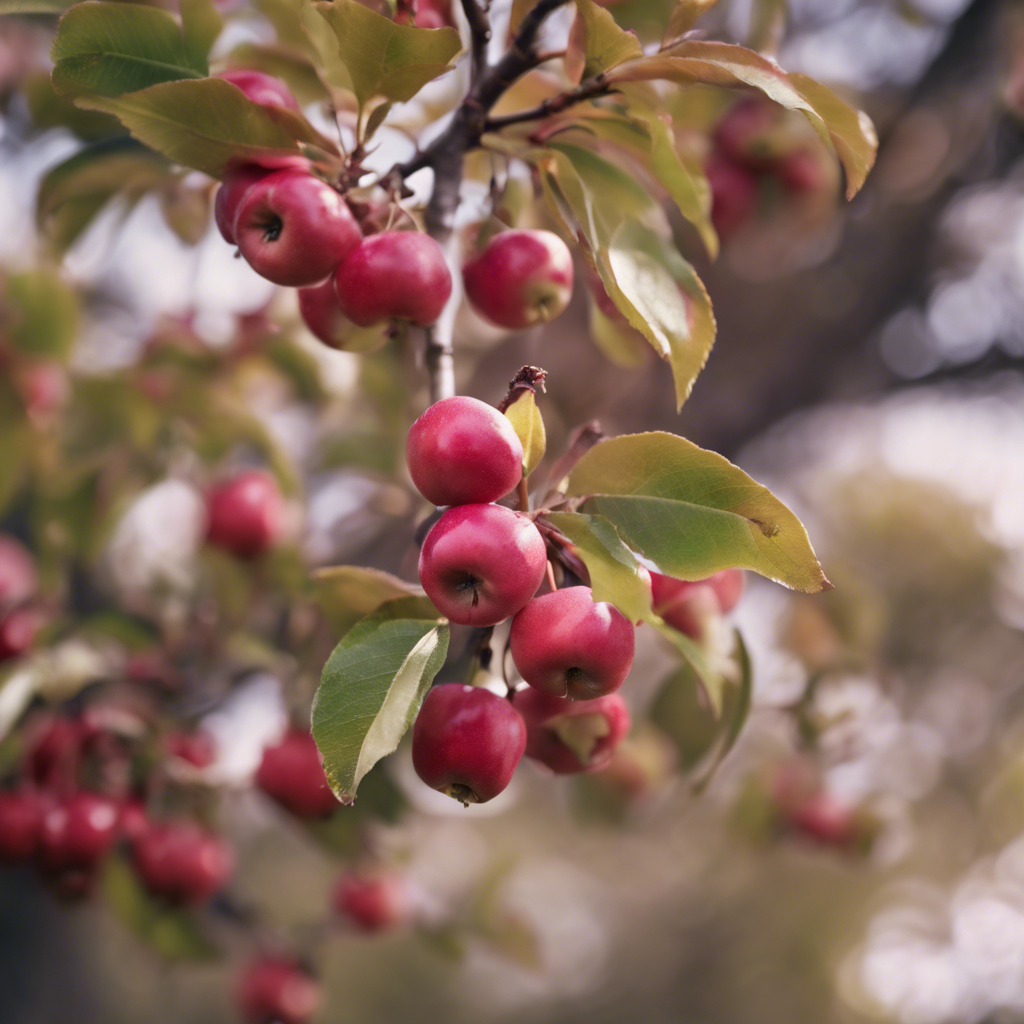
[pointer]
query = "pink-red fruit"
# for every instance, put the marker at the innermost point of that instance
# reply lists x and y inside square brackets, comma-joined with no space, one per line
[521,278]
[237,181]
[373,902]
[18,629]
[245,514]
[462,451]
[261,88]
[429,14]
[275,990]
[572,736]
[467,742]
[294,229]
[181,862]
[569,646]
[18,579]
[21,825]
[733,194]
[78,833]
[321,313]
[291,772]
[394,275]
[481,563]
[687,606]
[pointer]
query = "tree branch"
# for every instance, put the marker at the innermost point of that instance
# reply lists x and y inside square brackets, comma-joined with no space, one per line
[480,33]
[590,89]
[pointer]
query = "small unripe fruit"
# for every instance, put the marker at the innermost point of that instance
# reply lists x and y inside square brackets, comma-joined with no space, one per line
[467,742]
[245,514]
[294,229]
[18,629]
[373,902]
[181,862]
[569,646]
[275,990]
[261,88]
[18,579]
[572,736]
[78,833]
[462,451]
[733,195]
[394,275]
[21,825]
[291,772]
[521,278]
[481,563]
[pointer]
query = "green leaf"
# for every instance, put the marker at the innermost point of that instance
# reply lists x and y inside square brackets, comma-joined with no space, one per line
[528,424]
[113,48]
[702,731]
[618,342]
[42,313]
[688,188]
[692,512]
[202,25]
[285,63]
[34,6]
[375,120]
[208,124]
[846,131]
[371,690]
[684,15]
[607,45]
[173,933]
[347,593]
[620,195]
[72,193]
[385,59]
[615,574]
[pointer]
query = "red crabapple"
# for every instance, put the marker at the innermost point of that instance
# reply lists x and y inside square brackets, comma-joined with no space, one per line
[292,773]
[569,646]
[571,736]
[467,742]
[78,832]
[373,902]
[394,275]
[261,88]
[276,990]
[521,278]
[18,579]
[237,181]
[18,629]
[294,229]
[733,194]
[245,514]
[462,451]
[21,825]
[481,563]
[687,606]
[181,862]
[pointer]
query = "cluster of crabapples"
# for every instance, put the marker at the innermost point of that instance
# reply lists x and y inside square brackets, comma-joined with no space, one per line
[483,563]
[754,146]
[296,229]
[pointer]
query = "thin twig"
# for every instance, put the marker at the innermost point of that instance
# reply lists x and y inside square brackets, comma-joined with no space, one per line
[588,90]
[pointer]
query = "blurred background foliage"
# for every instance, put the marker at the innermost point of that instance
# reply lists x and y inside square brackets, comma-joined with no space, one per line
[868,368]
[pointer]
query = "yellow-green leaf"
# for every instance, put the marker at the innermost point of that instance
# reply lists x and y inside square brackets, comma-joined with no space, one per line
[607,45]
[528,424]
[347,593]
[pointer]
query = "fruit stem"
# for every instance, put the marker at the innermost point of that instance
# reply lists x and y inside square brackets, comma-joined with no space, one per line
[523,495]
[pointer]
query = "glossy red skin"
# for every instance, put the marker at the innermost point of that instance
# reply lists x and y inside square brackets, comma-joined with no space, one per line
[462,451]
[740,134]
[801,171]
[566,645]
[236,183]
[133,821]
[18,579]
[18,629]
[21,825]
[394,275]
[78,832]
[294,229]
[542,713]
[374,903]
[733,195]
[685,604]
[522,278]
[321,313]
[53,753]
[467,742]
[245,514]
[261,88]
[291,772]
[181,862]
[274,990]
[485,554]
[429,14]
